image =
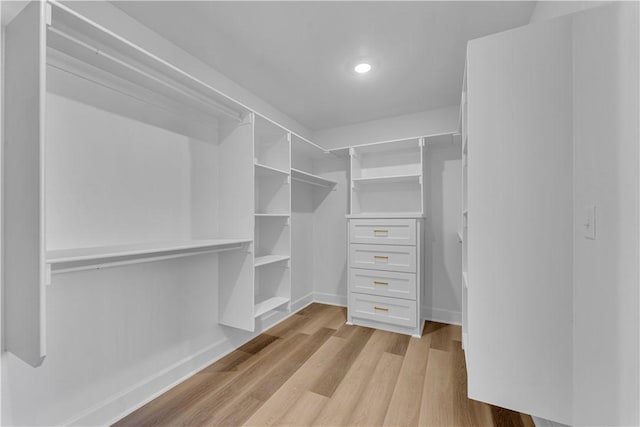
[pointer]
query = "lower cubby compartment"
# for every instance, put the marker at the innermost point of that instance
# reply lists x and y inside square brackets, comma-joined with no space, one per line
[272,287]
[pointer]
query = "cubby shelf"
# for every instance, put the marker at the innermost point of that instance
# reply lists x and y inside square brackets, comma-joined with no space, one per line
[264,170]
[269,259]
[272,215]
[98,257]
[269,304]
[465,280]
[309,178]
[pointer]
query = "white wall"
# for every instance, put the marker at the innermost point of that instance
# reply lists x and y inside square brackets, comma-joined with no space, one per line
[606,323]
[551,9]
[429,122]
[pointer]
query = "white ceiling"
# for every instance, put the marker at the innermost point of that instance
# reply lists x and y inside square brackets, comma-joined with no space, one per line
[298,56]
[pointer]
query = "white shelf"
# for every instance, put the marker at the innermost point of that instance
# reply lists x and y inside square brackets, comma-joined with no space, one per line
[106,256]
[387,179]
[264,170]
[267,305]
[386,215]
[460,238]
[269,259]
[272,215]
[309,178]
[465,280]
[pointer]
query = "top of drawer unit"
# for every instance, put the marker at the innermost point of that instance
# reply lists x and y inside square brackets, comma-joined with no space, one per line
[383,231]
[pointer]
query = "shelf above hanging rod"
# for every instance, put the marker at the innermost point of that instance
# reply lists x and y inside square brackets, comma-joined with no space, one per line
[79,37]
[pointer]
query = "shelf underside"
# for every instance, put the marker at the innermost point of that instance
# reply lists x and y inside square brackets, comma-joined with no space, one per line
[389,179]
[269,259]
[98,257]
[309,178]
[269,171]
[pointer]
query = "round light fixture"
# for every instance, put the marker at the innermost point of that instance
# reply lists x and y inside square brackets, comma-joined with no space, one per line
[362,68]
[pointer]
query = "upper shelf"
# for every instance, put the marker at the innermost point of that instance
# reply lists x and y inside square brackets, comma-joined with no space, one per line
[309,178]
[98,257]
[388,179]
[93,44]
[264,170]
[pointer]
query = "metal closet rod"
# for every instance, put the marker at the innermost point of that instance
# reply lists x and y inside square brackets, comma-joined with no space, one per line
[216,106]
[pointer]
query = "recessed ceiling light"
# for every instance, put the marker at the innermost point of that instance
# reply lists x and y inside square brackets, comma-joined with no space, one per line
[362,68]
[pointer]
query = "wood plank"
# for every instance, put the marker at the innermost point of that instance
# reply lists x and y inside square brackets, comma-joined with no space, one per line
[505,417]
[286,327]
[468,412]
[374,402]
[320,319]
[341,363]
[258,343]
[404,408]
[287,395]
[345,398]
[304,410]
[437,393]
[399,345]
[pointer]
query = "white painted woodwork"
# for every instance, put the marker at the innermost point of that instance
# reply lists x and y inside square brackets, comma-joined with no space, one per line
[391,311]
[384,283]
[24,221]
[520,224]
[383,257]
[383,231]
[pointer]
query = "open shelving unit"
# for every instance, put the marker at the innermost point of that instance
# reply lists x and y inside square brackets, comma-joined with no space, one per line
[387,178]
[272,223]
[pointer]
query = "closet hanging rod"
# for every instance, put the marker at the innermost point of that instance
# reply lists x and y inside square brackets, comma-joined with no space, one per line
[235,115]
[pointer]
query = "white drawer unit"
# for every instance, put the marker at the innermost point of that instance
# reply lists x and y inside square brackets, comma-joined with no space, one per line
[392,311]
[385,274]
[383,257]
[384,283]
[383,231]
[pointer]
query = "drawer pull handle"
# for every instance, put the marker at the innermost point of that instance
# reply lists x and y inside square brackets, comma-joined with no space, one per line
[380,308]
[381,231]
[380,257]
[375,282]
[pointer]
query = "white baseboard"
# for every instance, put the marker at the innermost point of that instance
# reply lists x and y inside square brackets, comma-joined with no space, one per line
[541,422]
[122,404]
[442,316]
[330,299]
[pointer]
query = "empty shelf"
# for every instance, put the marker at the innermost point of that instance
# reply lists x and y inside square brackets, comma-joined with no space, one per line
[264,170]
[272,215]
[104,256]
[386,215]
[465,281]
[388,179]
[460,238]
[269,259]
[309,178]
[267,305]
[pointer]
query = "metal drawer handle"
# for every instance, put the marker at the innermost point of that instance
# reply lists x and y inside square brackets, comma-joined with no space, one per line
[375,282]
[381,231]
[380,257]
[380,308]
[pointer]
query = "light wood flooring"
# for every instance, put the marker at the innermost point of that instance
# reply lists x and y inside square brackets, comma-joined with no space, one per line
[312,369]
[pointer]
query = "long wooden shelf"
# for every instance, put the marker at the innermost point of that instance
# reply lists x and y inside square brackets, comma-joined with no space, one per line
[267,305]
[269,259]
[63,260]
[309,178]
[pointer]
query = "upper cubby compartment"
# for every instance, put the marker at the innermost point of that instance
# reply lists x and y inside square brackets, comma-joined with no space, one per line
[271,147]
[93,65]
[392,160]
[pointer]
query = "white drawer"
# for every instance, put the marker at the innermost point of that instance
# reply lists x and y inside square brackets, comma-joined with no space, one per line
[385,231]
[383,257]
[384,283]
[393,311]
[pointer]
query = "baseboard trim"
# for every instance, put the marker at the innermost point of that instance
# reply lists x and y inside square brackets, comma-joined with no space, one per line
[442,316]
[120,405]
[330,299]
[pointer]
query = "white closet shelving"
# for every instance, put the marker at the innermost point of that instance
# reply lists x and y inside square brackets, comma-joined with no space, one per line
[143,162]
[272,154]
[386,178]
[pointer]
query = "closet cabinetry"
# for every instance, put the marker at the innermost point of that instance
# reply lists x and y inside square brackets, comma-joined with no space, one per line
[386,242]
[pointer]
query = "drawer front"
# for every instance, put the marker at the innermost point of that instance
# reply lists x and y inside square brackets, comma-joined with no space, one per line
[383,231]
[384,283]
[393,311]
[383,257]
